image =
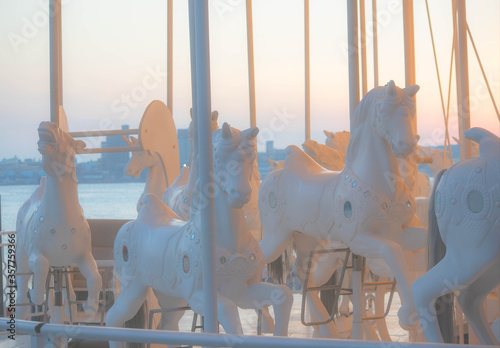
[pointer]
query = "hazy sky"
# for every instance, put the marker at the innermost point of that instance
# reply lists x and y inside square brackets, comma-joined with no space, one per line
[114,64]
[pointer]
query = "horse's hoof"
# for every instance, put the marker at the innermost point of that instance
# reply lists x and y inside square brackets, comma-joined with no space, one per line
[22,313]
[90,307]
[35,297]
[407,315]
[267,325]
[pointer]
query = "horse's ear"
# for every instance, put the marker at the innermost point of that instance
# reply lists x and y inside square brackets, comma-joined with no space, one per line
[135,141]
[226,131]
[250,133]
[327,133]
[79,145]
[271,162]
[391,88]
[127,140]
[215,115]
[412,90]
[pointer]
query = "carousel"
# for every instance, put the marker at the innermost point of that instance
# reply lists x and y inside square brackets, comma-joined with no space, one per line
[352,220]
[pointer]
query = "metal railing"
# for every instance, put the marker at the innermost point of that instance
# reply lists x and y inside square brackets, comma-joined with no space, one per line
[47,335]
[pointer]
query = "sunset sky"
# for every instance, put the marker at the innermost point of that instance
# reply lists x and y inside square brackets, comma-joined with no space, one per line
[114,49]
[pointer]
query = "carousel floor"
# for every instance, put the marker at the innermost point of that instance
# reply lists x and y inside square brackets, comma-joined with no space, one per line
[248,321]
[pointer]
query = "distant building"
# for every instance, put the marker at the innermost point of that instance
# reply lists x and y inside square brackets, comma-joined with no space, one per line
[114,163]
[184,146]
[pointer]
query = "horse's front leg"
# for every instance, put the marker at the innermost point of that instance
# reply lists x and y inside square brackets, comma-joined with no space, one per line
[39,265]
[279,296]
[88,268]
[369,245]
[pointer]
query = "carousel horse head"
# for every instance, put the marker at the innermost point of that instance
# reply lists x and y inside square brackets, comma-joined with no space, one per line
[391,112]
[139,160]
[58,149]
[234,154]
[274,165]
[325,156]
[213,122]
[338,141]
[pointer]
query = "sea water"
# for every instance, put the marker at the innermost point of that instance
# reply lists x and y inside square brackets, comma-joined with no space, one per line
[99,201]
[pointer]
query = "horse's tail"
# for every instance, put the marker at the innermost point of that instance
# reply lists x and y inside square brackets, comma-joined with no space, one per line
[277,269]
[436,250]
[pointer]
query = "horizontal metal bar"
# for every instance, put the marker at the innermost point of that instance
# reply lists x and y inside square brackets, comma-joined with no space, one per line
[425,160]
[322,287]
[171,309]
[389,282]
[103,133]
[7,232]
[327,251]
[7,244]
[110,149]
[374,317]
[95,333]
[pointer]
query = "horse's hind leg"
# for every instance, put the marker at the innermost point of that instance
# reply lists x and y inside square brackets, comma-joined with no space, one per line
[279,296]
[88,269]
[471,301]
[442,279]
[126,306]
[170,320]
[391,252]
[22,283]
[39,265]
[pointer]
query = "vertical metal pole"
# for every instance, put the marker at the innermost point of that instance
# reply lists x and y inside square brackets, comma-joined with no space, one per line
[463,65]
[409,42]
[193,79]
[56,98]
[362,24]
[358,297]
[375,43]
[457,65]
[307,71]
[251,69]
[170,55]
[205,163]
[353,59]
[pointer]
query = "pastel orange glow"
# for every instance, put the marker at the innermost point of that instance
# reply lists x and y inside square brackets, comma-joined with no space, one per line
[114,64]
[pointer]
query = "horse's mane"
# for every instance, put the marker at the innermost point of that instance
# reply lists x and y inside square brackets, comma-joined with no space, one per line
[375,102]
[366,109]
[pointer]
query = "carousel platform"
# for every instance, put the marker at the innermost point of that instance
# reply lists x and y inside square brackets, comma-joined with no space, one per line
[248,321]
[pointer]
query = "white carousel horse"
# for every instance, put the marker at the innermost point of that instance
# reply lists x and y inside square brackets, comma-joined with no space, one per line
[158,234]
[273,165]
[178,195]
[158,138]
[420,185]
[439,161]
[51,228]
[367,206]
[338,141]
[465,209]
[325,156]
